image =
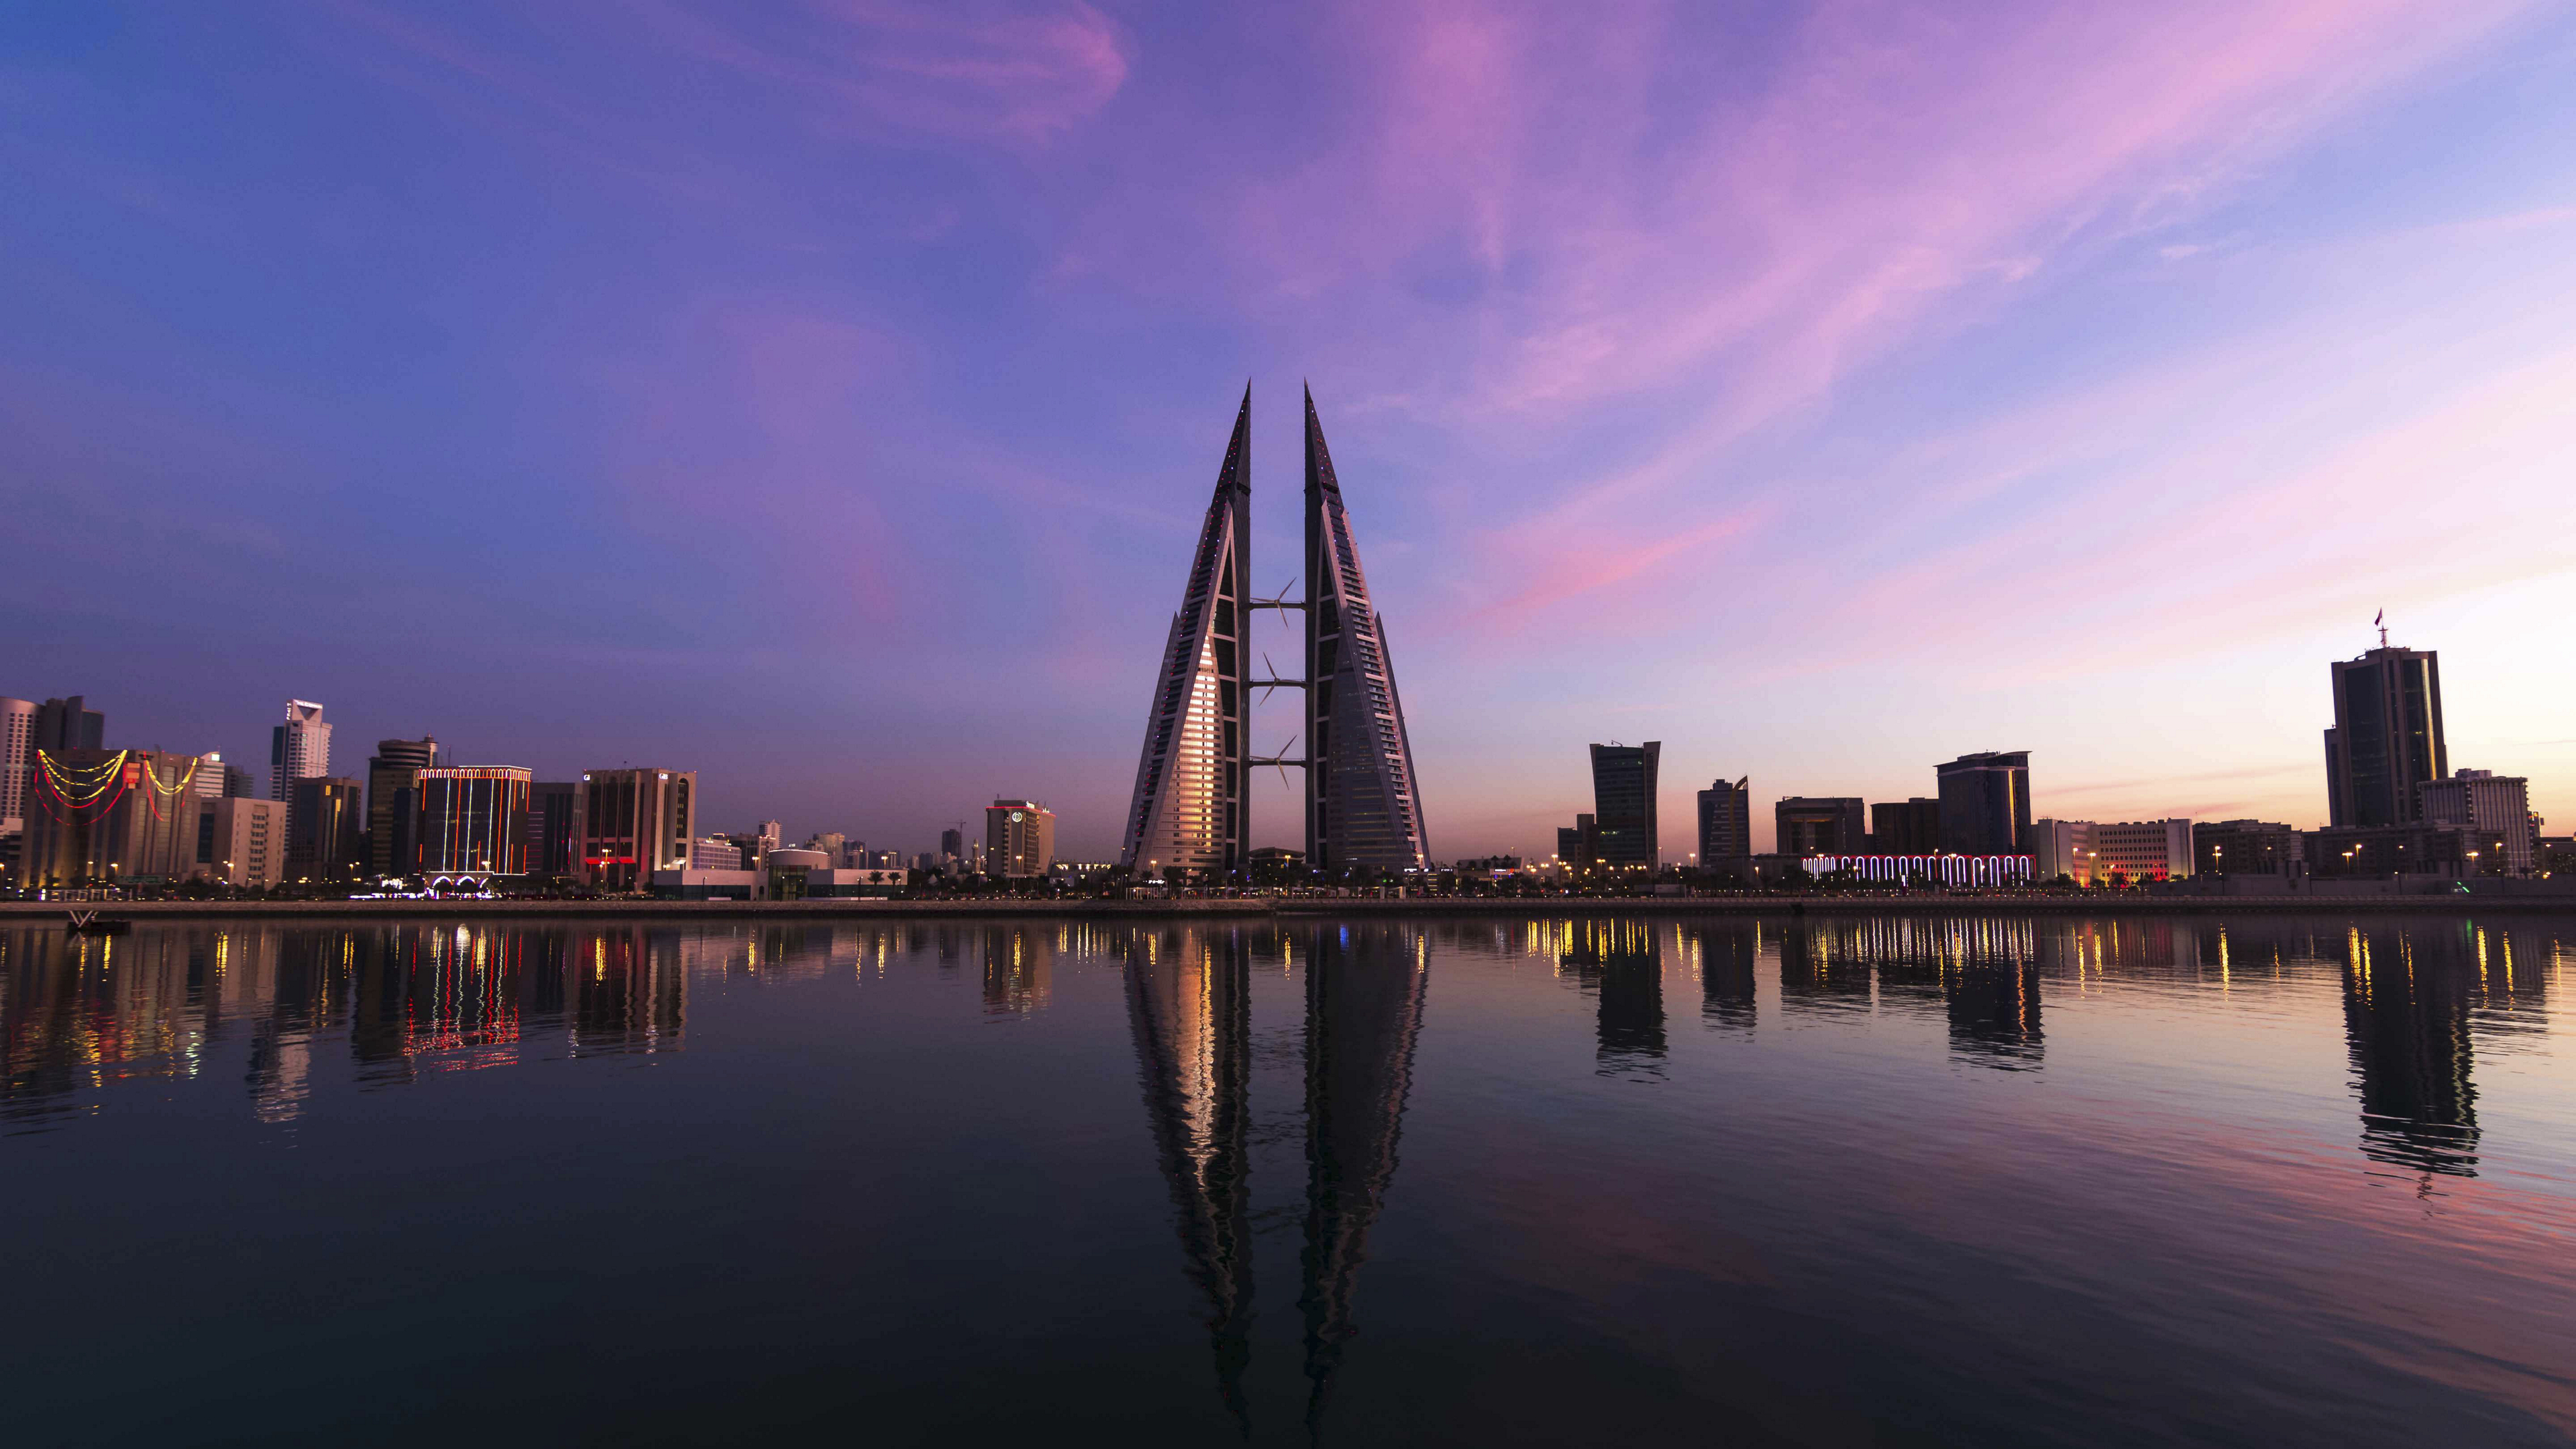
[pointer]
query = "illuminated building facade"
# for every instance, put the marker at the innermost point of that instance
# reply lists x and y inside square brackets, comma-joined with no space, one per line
[1019,838]
[1945,870]
[2088,852]
[472,820]
[109,815]
[2386,743]
[1188,812]
[1363,806]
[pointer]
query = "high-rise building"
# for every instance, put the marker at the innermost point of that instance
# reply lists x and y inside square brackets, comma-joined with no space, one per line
[1188,811]
[326,826]
[1363,803]
[551,828]
[393,808]
[1020,837]
[1905,827]
[1623,804]
[472,820]
[2497,806]
[952,844]
[1985,803]
[630,823]
[17,757]
[298,749]
[1726,821]
[2387,736]
[208,782]
[98,815]
[70,724]
[1804,825]
[242,842]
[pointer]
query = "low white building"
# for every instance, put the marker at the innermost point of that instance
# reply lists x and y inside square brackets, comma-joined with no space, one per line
[243,842]
[2088,851]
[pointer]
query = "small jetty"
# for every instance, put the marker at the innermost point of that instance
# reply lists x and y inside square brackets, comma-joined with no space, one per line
[91,923]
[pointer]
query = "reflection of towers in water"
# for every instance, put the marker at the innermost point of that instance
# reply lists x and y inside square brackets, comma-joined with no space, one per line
[1722,954]
[1189,1007]
[1982,972]
[1364,995]
[2406,1002]
[1018,968]
[625,991]
[1622,964]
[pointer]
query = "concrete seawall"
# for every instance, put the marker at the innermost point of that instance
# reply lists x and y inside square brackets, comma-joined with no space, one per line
[1270,907]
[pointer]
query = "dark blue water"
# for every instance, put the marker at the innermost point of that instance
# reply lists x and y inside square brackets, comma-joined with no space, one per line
[2236,1180]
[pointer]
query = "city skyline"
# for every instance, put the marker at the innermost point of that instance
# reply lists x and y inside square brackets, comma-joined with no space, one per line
[1822,410]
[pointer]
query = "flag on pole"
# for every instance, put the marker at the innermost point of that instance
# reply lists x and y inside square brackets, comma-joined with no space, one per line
[2379,618]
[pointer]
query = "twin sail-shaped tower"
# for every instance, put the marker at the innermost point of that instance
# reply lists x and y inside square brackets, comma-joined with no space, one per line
[1191,812]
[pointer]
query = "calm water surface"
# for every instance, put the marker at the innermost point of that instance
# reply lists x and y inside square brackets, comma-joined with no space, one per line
[2234,1180]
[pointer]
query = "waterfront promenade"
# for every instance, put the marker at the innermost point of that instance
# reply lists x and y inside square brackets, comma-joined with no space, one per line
[1252,907]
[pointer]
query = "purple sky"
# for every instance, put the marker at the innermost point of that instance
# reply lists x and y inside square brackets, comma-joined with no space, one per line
[823,396]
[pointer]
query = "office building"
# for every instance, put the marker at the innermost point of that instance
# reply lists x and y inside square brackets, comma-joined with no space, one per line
[550,828]
[952,844]
[1805,825]
[1623,804]
[17,757]
[2062,848]
[2246,847]
[1985,803]
[1578,846]
[69,724]
[1019,838]
[630,823]
[716,852]
[1726,821]
[1363,801]
[1188,815]
[2386,743]
[326,825]
[299,749]
[472,820]
[2497,807]
[108,816]
[242,842]
[1906,827]
[392,807]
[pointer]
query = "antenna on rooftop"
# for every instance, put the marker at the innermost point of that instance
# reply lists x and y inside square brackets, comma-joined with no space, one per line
[2380,622]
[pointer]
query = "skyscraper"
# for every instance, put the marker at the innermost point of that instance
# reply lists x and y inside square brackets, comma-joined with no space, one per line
[1188,812]
[2386,743]
[1363,808]
[1623,803]
[297,750]
[392,808]
[1726,821]
[17,757]
[325,829]
[1985,803]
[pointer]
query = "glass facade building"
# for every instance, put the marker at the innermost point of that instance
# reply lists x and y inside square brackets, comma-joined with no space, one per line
[1985,803]
[1623,804]
[1726,821]
[1363,808]
[2386,743]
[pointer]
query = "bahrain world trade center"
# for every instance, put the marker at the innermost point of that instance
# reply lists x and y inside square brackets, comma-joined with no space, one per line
[1191,811]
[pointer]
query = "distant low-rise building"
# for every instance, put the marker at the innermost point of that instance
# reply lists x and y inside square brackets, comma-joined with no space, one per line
[1905,827]
[2246,847]
[2091,851]
[2389,850]
[1812,825]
